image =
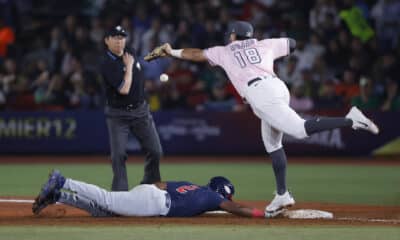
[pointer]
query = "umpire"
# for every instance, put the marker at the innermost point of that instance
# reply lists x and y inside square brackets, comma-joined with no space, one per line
[127,111]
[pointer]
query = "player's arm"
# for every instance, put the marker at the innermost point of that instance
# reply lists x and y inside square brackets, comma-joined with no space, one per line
[237,209]
[191,54]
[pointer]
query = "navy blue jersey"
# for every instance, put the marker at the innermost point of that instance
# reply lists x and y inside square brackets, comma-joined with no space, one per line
[188,199]
[113,72]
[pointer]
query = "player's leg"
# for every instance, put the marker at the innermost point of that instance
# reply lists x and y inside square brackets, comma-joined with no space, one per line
[355,119]
[143,200]
[145,131]
[92,192]
[49,192]
[274,108]
[285,119]
[272,139]
[118,131]
[281,117]
[81,202]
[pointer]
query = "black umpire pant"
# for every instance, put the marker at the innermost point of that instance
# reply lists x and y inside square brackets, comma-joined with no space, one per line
[140,123]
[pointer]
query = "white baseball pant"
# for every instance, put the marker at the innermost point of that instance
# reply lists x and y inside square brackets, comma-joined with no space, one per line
[142,200]
[269,99]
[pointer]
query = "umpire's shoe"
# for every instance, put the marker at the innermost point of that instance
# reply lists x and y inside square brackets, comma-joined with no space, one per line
[50,192]
[279,203]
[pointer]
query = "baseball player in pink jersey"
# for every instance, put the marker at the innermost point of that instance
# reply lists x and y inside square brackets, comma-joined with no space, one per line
[249,63]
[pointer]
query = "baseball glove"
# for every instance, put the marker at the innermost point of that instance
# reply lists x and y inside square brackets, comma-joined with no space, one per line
[156,53]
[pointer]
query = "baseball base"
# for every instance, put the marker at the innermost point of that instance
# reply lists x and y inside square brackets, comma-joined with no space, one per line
[296,214]
[307,214]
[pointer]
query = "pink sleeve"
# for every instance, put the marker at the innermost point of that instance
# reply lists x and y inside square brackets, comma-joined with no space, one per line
[279,46]
[213,55]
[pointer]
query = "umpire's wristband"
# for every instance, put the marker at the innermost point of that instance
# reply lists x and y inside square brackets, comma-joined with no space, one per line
[176,53]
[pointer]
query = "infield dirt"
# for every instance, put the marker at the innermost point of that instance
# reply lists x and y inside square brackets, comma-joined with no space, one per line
[18,214]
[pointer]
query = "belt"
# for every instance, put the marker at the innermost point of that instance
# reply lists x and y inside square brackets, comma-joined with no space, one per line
[129,107]
[254,80]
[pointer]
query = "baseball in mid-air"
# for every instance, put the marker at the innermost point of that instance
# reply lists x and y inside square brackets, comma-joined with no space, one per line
[164,77]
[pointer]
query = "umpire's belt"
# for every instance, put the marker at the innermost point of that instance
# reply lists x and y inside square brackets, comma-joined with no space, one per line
[254,80]
[129,107]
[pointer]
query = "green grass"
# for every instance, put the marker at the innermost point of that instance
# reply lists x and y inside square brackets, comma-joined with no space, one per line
[199,232]
[375,185]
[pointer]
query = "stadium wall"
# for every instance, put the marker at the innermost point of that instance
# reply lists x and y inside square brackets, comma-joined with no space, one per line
[185,133]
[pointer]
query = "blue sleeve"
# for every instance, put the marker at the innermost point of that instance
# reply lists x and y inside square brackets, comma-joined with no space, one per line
[215,200]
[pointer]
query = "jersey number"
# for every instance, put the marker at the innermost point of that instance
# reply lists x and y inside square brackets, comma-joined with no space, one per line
[251,54]
[184,189]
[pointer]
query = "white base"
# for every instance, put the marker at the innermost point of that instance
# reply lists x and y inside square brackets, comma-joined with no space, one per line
[307,214]
[296,214]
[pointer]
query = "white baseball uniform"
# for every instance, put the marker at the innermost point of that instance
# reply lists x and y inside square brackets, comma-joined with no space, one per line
[249,59]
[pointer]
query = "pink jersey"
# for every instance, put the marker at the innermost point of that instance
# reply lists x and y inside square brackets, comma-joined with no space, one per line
[247,59]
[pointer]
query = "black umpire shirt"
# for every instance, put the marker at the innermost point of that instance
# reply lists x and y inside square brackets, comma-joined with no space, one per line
[113,71]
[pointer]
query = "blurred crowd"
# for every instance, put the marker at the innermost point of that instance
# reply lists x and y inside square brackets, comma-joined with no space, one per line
[347,51]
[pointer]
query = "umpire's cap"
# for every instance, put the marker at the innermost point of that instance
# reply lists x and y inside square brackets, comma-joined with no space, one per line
[241,28]
[116,31]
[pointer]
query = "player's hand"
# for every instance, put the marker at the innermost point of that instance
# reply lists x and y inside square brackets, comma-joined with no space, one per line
[167,49]
[128,59]
[160,51]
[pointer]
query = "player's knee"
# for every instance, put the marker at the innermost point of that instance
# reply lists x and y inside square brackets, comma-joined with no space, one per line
[273,147]
[298,130]
[299,134]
